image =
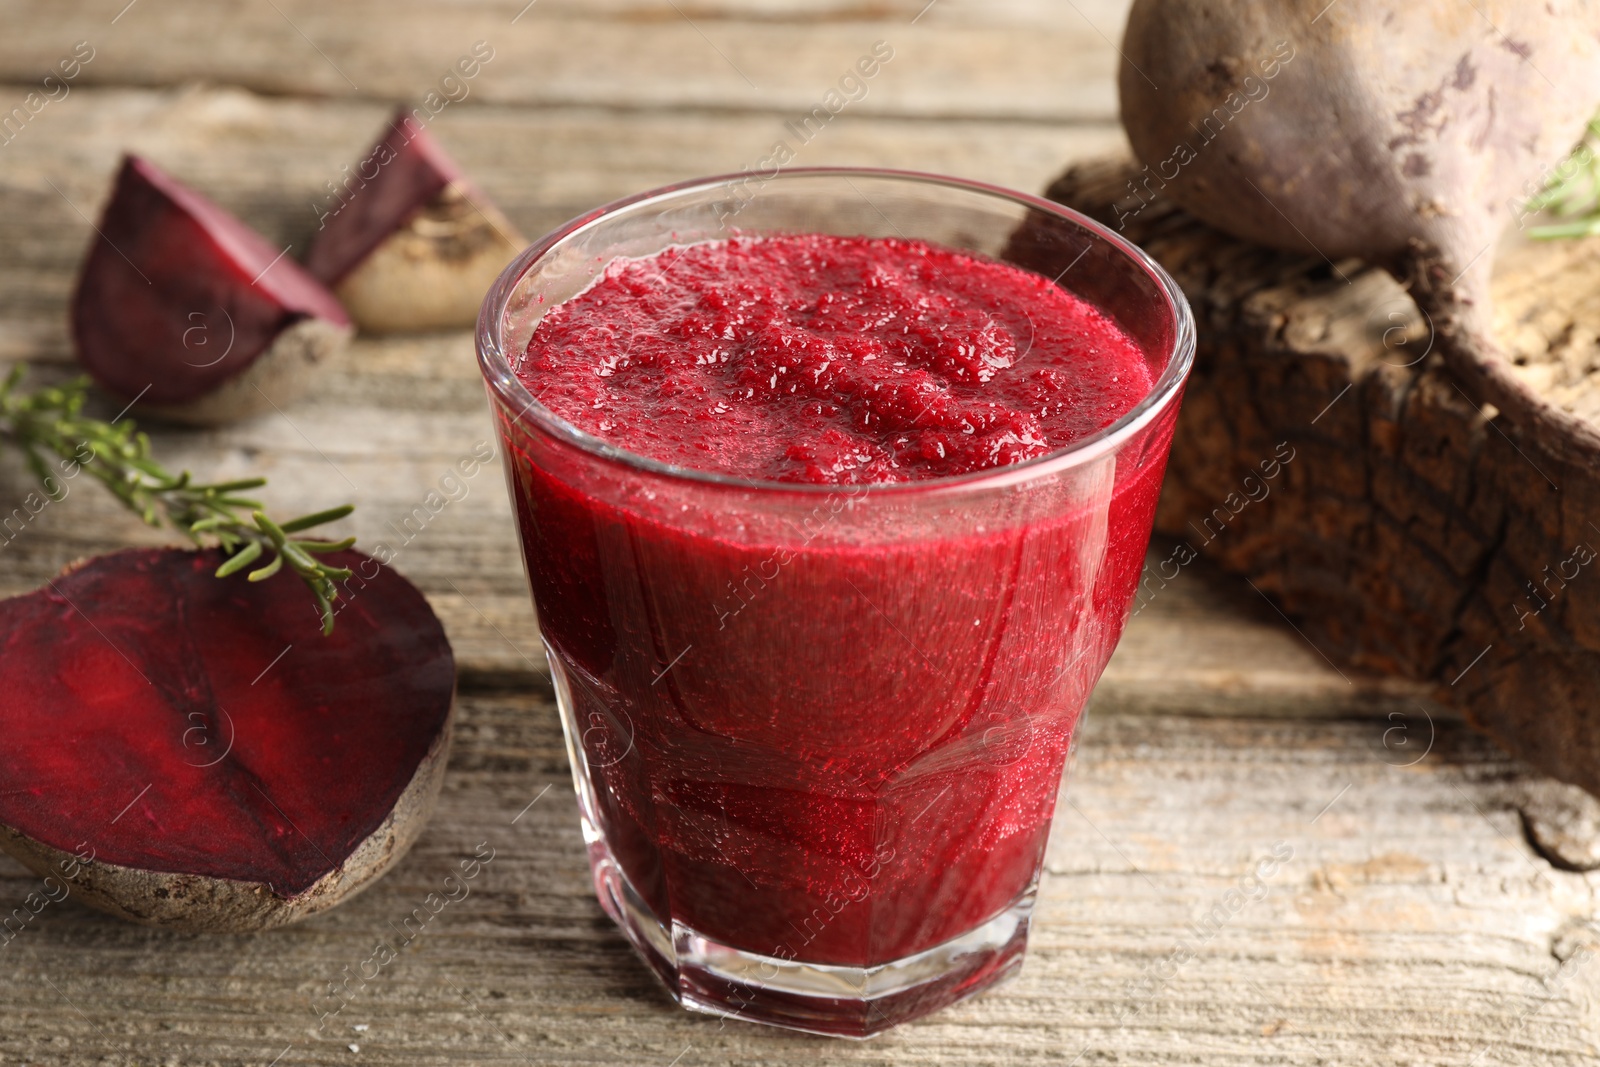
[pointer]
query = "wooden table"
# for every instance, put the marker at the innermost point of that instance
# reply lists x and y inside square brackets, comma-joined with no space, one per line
[1412,922]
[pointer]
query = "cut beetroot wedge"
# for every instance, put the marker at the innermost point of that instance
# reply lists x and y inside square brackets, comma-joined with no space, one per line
[407,241]
[187,310]
[189,751]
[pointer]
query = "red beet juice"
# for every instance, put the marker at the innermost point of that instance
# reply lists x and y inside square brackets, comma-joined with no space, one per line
[807,739]
[831,527]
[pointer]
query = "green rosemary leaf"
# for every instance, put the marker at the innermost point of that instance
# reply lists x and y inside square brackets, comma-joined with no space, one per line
[325,608]
[1588,227]
[263,573]
[268,527]
[302,561]
[305,522]
[49,421]
[323,546]
[233,487]
[242,559]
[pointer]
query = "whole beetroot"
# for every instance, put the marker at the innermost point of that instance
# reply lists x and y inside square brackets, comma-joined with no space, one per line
[1401,132]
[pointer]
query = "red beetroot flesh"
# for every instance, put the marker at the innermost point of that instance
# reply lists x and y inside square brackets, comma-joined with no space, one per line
[171,282]
[835,360]
[125,678]
[401,174]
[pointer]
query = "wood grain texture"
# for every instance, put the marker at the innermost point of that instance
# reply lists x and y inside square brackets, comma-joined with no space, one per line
[958,60]
[1409,923]
[270,160]
[1413,922]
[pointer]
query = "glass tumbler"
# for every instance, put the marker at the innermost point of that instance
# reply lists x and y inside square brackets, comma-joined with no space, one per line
[817,732]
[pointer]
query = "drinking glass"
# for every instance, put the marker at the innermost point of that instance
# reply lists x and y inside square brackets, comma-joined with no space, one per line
[817,732]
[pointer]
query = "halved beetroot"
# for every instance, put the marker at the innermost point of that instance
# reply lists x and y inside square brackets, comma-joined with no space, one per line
[186,309]
[408,242]
[191,752]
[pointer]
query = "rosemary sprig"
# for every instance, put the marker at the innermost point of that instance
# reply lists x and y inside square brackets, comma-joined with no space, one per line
[50,420]
[1573,192]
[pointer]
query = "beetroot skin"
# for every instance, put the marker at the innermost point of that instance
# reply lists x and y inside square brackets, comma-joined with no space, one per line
[404,172]
[407,242]
[177,296]
[183,729]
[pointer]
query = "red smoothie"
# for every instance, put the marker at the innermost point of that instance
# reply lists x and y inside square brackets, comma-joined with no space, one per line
[832,360]
[829,726]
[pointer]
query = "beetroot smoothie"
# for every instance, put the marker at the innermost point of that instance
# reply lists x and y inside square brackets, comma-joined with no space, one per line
[806,744]
[831,529]
[832,360]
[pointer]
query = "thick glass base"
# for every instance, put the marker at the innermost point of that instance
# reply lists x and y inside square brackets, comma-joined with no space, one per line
[840,1001]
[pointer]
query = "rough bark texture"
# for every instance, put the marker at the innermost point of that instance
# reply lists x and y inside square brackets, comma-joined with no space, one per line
[1414,532]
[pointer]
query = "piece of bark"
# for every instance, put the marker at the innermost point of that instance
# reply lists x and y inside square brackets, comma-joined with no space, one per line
[1413,531]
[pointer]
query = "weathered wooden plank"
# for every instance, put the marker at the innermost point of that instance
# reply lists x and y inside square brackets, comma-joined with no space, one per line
[1412,923]
[270,160]
[1407,923]
[957,60]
